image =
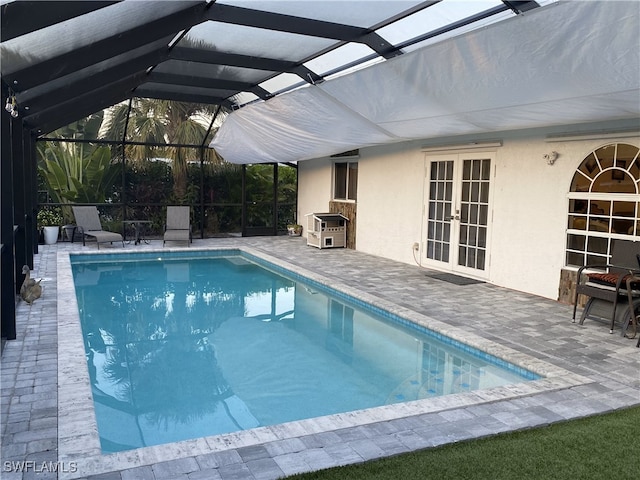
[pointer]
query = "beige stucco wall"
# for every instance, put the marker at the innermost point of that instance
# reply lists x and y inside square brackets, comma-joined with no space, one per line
[529,204]
[314,189]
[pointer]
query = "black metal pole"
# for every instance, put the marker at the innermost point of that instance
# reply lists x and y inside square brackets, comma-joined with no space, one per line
[244,200]
[202,209]
[7,259]
[275,199]
[124,171]
[17,157]
[202,150]
[31,194]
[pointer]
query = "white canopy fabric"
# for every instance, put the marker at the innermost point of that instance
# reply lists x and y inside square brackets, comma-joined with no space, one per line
[568,62]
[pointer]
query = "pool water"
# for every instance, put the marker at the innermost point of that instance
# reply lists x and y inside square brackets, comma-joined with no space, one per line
[188,345]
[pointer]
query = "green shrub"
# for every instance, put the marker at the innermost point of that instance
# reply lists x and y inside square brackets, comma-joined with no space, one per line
[49,217]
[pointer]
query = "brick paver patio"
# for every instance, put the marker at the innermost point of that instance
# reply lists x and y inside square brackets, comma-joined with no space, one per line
[603,374]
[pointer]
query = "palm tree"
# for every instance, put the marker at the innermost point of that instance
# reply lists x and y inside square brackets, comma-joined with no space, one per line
[163,122]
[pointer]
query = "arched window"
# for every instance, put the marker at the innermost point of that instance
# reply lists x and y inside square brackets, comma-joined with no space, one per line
[604,203]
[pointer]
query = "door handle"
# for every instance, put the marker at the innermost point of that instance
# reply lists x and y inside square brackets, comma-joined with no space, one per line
[452,217]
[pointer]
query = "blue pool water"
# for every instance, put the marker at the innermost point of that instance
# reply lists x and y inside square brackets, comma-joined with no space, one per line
[192,344]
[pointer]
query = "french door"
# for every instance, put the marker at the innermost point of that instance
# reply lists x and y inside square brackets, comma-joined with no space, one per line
[457,213]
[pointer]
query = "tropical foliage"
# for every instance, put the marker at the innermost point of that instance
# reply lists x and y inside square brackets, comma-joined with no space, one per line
[72,178]
[156,123]
[165,161]
[76,171]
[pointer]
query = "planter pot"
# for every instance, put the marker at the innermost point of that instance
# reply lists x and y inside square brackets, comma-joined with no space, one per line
[51,235]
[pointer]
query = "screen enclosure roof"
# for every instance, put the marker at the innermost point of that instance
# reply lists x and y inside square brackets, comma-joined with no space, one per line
[304,79]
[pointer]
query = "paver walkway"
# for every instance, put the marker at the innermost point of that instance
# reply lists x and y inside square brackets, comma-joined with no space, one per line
[537,327]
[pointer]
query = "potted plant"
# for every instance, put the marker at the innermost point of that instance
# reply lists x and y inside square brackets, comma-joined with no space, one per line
[294,230]
[49,220]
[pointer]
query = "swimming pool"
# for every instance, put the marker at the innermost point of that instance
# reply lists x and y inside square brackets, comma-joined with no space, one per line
[173,355]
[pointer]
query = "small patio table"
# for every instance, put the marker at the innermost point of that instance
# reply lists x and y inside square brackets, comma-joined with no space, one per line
[139,228]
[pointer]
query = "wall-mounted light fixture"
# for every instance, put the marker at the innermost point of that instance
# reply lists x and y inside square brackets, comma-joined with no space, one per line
[11,106]
[550,157]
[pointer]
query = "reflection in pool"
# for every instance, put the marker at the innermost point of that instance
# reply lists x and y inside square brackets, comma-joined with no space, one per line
[199,344]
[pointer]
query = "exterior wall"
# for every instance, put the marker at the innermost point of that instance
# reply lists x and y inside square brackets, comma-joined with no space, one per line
[530,214]
[314,189]
[529,204]
[390,204]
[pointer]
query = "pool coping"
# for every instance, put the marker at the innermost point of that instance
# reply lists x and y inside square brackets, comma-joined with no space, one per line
[78,439]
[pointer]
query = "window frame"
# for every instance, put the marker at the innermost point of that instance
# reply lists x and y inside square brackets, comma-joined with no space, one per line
[583,242]
[348,161]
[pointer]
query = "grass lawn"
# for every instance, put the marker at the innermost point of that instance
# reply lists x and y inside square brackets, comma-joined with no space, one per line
[605,446]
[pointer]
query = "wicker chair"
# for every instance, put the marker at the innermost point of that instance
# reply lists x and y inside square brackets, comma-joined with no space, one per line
[605,285]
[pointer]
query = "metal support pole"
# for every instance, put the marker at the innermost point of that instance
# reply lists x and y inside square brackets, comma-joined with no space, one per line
[202,150]
[18,159]
[124,171]
[7,259]
[244,200]
[275,199]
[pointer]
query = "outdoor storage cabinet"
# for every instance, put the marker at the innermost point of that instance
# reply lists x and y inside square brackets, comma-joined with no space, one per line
[326,230]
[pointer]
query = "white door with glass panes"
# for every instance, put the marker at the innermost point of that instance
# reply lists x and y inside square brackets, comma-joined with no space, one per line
[457,213]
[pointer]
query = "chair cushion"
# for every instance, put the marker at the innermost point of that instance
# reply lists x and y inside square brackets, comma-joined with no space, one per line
[176,235]
[604,278]
[610,279]
[103,236]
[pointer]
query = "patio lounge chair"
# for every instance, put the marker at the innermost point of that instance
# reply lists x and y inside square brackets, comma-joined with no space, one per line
[88,225]
[606,286]
[178,226]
